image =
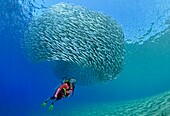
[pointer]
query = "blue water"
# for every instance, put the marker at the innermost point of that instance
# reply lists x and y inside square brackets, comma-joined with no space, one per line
[25,85]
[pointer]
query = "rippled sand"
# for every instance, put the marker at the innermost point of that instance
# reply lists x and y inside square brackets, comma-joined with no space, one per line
[158,105]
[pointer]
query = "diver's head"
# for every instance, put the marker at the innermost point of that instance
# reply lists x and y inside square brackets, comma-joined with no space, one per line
[72,80]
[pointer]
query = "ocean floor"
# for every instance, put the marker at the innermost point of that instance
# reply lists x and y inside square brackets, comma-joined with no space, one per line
[158,105]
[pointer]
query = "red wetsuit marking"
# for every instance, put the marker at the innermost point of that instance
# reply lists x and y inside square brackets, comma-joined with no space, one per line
[65,85]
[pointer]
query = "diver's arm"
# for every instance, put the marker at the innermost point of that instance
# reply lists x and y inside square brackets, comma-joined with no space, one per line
[73,91]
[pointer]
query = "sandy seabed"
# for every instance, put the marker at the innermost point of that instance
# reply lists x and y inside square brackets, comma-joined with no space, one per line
[158,105]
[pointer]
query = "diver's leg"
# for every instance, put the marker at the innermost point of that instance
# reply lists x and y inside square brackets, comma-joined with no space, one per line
[51,98]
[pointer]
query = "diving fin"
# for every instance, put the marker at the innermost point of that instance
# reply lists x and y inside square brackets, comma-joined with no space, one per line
[51,107]
[43,104]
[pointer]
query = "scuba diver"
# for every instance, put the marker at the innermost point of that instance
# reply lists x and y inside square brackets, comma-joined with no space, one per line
[63,91]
